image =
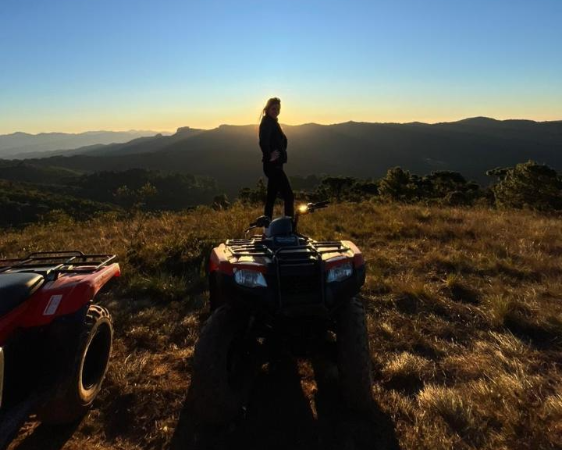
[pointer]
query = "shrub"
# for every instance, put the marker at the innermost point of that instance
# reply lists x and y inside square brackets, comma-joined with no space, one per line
[255,195]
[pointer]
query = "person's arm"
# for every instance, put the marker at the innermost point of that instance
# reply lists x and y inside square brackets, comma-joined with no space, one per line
[284,156]
[265,139]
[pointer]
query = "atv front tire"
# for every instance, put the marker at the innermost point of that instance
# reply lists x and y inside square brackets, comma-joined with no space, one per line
[224,368]
[353,356]
[76,393]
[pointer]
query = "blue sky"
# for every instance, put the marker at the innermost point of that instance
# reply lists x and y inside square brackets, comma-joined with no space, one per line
[75,65]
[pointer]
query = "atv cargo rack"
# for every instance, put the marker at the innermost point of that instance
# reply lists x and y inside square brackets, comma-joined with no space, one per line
[248,247]
[66,261]
[328,246]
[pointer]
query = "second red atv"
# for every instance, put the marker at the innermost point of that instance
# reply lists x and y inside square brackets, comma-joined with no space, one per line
[55,342]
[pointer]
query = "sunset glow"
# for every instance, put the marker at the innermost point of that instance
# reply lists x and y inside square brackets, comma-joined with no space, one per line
[83,65]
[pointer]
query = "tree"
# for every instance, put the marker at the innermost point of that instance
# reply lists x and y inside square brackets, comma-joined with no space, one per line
[451,188]
[399,185]
[528,185]
[135,198]
[335,187]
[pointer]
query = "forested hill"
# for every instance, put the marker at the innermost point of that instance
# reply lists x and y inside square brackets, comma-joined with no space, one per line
[230,154]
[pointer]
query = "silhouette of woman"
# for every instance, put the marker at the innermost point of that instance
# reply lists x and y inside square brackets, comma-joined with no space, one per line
[273,144]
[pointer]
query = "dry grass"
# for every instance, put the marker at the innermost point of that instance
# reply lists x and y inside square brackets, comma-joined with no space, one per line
[464,305]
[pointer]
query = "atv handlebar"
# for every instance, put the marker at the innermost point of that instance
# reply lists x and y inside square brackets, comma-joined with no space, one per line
[308,209]
[311,207]
[262,221]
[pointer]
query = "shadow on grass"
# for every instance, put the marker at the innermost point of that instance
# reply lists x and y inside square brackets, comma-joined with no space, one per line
[280,416]
[463,294]
[47,437]
[541,336]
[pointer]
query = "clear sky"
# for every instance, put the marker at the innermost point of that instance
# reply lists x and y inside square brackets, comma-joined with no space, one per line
[76,65]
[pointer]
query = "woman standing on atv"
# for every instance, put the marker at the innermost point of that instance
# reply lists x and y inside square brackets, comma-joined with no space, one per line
[273,144]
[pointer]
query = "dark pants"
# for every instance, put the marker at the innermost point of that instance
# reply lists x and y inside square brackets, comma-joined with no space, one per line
[277,182]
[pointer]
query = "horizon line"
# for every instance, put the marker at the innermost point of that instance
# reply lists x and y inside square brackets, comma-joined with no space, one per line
[173,131]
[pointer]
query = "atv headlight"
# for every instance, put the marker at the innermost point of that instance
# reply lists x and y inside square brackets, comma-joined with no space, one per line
[250,278]
[340,272]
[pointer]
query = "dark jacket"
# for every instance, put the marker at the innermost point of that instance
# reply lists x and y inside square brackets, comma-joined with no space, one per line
[272,138]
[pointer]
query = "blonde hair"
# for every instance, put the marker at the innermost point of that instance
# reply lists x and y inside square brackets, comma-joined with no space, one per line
[272,101]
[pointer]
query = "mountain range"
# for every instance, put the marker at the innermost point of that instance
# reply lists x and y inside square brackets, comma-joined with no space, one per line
[231,155]
[25,145]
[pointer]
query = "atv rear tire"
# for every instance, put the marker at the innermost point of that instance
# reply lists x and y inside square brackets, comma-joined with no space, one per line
[224,368]
[353,356]
[76,393]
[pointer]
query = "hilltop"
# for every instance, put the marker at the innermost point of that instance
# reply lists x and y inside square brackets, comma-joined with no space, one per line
[465,325]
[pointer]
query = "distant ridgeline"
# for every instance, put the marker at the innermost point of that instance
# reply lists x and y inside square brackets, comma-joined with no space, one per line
[231,156]
[30,192]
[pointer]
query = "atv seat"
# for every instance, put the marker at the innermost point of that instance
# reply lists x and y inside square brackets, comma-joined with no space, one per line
[282,226]
[17,287]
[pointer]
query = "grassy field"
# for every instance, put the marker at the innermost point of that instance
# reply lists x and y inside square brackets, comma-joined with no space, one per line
[465,322]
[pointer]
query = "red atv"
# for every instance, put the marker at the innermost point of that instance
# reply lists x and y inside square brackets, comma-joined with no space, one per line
[276,294]
[55,342]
